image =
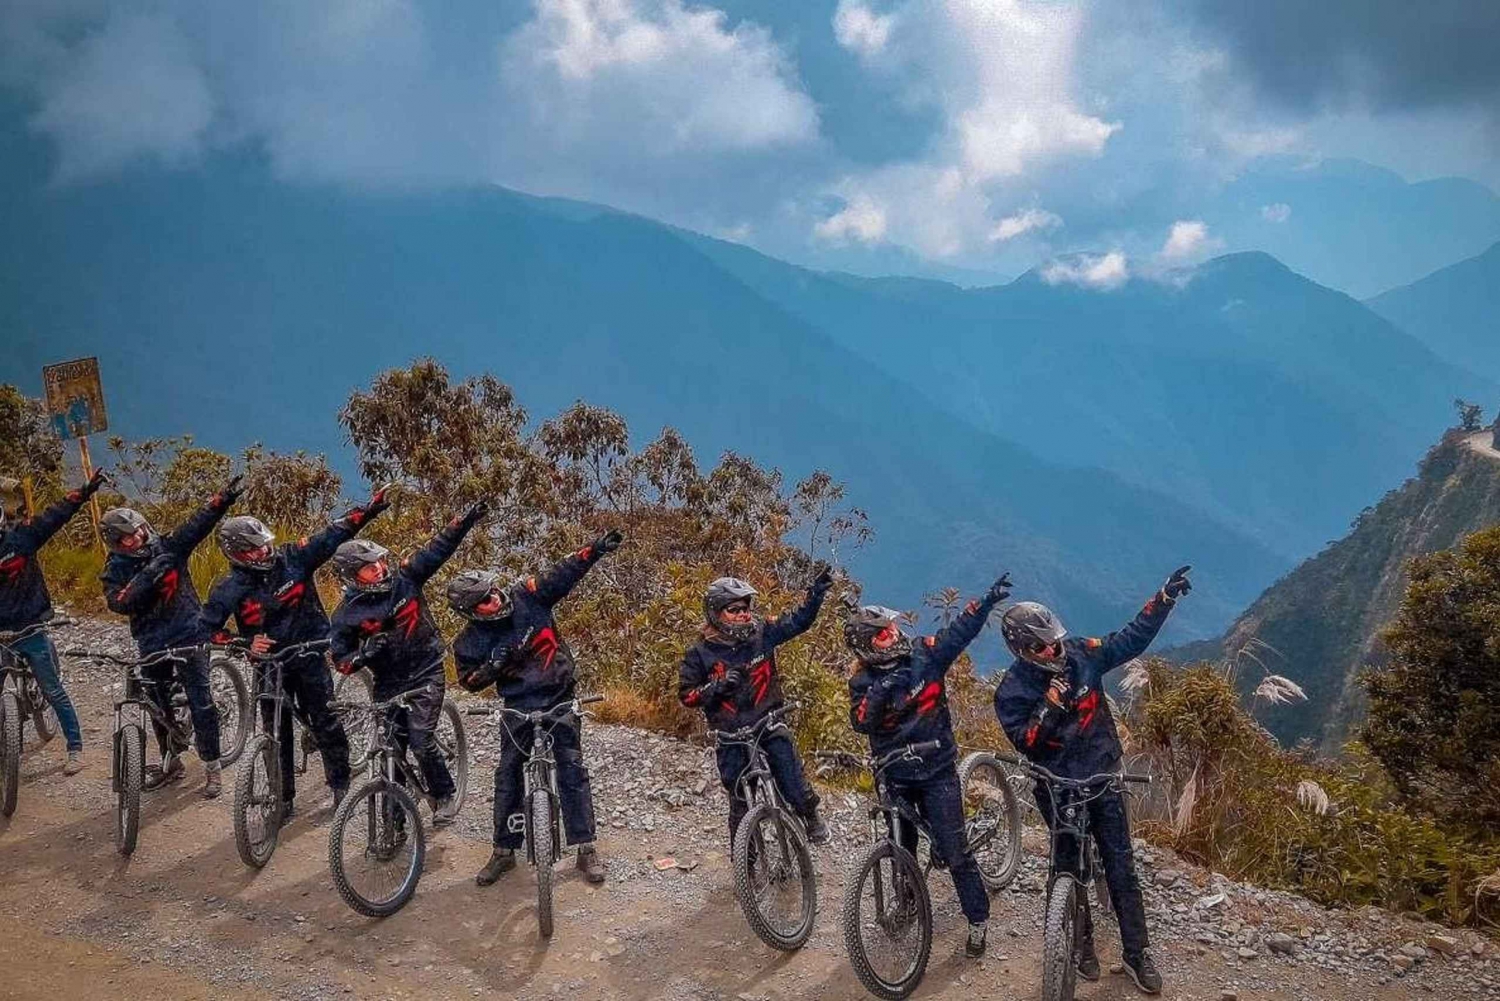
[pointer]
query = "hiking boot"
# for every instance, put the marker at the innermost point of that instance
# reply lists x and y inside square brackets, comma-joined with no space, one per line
[974,947]
[164,774]
[1144,973]
[445,811]
[502,861]
[589,864]
[817,830]
[1086,959]
[75,763]
[288,810]
[213,781]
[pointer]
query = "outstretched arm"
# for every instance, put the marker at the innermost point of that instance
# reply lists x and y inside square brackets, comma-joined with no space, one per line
[559,580]
[315,550]
[36,533]
[193,531]
[425,562]
[800,619]
[943,649]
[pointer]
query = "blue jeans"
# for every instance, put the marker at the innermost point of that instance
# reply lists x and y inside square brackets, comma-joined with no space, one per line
[39,653]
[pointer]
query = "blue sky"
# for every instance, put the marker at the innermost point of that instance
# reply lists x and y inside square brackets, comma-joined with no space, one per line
[959,137]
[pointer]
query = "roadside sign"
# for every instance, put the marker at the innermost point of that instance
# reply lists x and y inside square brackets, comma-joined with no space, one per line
[75,398]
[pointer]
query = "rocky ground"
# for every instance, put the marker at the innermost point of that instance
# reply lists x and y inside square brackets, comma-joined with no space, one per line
[183,918]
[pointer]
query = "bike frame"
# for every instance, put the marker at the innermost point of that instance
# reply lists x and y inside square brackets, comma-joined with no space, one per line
[756,784]
[24,683]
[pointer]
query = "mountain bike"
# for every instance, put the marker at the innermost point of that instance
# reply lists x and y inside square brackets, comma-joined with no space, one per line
[21,700]
[1067,906]
[376,845]
[992,818]
[135,708]
[887,912]
[540,819]
[258,798]
[774,877]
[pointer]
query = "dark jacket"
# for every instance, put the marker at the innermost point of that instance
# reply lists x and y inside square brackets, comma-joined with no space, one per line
[281,601]
[523,654]
[1078,740]
[24,600]
[413,655]
[701,678]
[155,588]
[907,702]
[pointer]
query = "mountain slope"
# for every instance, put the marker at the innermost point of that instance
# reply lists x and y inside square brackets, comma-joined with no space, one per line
[1323,618]
[236,308]
[1275,404]
[1455,312]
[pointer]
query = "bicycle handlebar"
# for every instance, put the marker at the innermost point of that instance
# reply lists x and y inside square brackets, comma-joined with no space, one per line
[745,734]
[10,636]
[1046,775]
[537,715]
[242,644]
[879,763]
[145,660]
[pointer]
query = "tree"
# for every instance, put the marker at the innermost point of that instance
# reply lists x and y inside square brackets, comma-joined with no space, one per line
[1434,714]
[1470,415]
[28,445]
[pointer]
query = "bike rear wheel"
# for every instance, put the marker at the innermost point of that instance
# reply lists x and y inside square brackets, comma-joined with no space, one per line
[10,751]
[992,818]
[453,745]
[130,774]
[543,835]
[257,802]
[232,700]
[359,727]
[774,878]
[1059,936]
[43,716]
[376,848]
[887,920]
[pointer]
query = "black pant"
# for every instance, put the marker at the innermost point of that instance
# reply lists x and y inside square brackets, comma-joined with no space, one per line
[305,683]
[415,731]
[1111,831]
[192,674]
[572,784]
[786,769]
[939,801]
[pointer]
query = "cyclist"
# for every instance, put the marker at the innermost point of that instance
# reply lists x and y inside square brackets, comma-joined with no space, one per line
[1051,705]
[270,593]
[146,578]
[512,642]
[731,675]
[384,624]
[898,696]
[24,602]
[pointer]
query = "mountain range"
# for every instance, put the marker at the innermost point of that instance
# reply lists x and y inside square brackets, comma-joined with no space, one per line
[1455,311]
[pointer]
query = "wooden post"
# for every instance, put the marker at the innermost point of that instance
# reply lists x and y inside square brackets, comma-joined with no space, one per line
[88,474]
[28,496]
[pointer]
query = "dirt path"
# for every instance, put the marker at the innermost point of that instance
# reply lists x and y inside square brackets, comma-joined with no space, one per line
[183,918]
[1483,442]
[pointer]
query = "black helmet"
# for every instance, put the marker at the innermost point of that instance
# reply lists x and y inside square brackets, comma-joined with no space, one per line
[119,523]
[469,589]
[1029,628]
[722,594]
[351,556]
[243,534]
[863,625]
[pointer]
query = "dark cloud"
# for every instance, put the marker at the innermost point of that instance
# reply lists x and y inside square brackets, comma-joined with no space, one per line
[1395,55]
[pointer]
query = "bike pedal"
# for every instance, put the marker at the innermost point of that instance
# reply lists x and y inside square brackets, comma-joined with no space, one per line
[516,823]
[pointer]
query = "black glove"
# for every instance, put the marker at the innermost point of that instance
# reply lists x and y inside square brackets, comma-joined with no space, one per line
[999,591]
[231,491]
[607,543]
[1178,584]
[823,578]
[731,682]
[1059,693]
[96,481]
[159,565]
[474,513]
[373,647]
[378,502]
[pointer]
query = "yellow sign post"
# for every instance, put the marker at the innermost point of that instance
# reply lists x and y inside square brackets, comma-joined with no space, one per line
[75,399]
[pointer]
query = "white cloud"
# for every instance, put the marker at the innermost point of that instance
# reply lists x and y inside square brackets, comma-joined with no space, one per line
[1188,239]
[1025,221]
[1103,272]
[860,29]
[1276,212]
[861,220]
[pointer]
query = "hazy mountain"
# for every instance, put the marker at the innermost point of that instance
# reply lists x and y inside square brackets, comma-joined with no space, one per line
[1455,312]
[227,305]
[1321,620]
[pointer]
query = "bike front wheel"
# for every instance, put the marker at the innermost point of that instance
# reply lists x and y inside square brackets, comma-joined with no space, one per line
[10,752]
[232,700]
[1059,936]
[130,775]
[257,803]
[376,848]
[542,832]
[774,878]
[992,818]
[887,921]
